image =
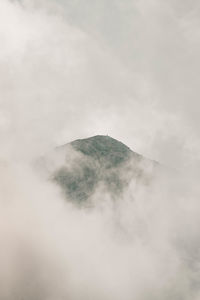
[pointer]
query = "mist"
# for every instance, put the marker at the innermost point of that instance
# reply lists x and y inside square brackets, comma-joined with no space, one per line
[76,69]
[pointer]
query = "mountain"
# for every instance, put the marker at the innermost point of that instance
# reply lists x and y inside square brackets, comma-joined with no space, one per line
[98,162]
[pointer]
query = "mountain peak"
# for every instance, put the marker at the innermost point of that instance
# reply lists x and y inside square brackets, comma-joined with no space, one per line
[104,148]
[104,161]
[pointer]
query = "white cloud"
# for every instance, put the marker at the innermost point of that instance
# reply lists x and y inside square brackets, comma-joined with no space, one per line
[75,69]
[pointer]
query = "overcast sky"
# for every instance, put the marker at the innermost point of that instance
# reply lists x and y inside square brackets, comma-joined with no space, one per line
[74,69]
[126,68]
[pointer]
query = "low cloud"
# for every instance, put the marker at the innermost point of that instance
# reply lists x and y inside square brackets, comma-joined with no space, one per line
[65,76]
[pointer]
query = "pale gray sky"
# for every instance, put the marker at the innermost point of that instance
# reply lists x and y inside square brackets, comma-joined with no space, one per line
[71,69]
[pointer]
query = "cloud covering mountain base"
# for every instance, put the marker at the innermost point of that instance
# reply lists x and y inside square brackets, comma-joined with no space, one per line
[145,245]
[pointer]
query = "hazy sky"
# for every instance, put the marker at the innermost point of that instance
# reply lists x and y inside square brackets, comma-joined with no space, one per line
[71,69]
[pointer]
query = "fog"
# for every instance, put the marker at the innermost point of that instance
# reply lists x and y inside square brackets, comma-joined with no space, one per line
[73,69]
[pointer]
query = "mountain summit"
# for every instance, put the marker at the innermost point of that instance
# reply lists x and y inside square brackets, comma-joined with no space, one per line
[98,161]
[104,148]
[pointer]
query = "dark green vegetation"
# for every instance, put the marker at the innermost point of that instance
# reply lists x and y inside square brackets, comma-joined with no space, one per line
[104,149]
[101,161]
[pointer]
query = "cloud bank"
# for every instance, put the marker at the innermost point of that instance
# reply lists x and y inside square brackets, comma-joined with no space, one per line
[74,69]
